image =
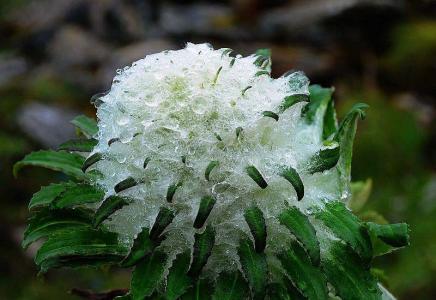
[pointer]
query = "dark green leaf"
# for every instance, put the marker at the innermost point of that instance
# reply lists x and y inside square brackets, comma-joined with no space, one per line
[142,246]
[319,100]
[78,194]
[330,124]
[291,100]
[47,194]
[254,267]
[172,190]
[260,73]
[91,160]
[345,137]
[238,131]
[395,235]
[284,291]
[163,219]
[178,282]
[300,226]
[263,59]
[79,145]
[125,184]
[108,207]
[113,140]
[350,276]
[306,277]
[203,245]
[347,227]
[146,161]
[147,275]
[79,247]
[256,176]
[256,222]
[201,290]
[86,125]
[245,90]
[324,159]
[204,210]
[271,114]
[209,168]
[230,286]
[291,175]
[48,222]
[68,163]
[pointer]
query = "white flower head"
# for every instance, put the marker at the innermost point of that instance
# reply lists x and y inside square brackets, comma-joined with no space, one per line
[195,123]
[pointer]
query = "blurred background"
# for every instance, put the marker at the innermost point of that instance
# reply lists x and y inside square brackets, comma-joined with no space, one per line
[55,54]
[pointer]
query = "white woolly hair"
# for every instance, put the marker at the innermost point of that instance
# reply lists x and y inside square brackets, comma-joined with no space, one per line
[181,110]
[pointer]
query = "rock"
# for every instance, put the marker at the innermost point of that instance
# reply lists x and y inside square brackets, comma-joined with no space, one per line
[11,67]
[47,125]
[305,17]
[200,19]
[76,55]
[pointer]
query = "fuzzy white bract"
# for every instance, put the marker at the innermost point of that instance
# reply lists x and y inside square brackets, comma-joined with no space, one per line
[180,110]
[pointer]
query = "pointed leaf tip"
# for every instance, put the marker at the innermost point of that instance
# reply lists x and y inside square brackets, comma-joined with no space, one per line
[206,205]
[256,176]
[291,175]
[256,222]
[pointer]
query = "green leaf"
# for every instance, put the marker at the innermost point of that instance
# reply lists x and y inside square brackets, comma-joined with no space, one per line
[271,114]
[306,277]
[79,247]
[178,282]
[230,286]
[300,226]
[86,125]
[142,246]
[349,275]
[238,131]
[48,222]
[108,207]
[147,275]
[347,227]
[330,124]
[256,176]
[125,184]
[91,160]
[172,190]
[254,266]
[260,73]
[319,100]
[78,194]
[146,161]
[324,159]
[360,192]
[163,219]
[291,175]
[345,137]
[47,194]
[203,245]
[284,291]
[79,145]
[263,59]
[395,235]
[256,222]
[201,290]
[204,210]
[68,163]
[291,100]
[209,168]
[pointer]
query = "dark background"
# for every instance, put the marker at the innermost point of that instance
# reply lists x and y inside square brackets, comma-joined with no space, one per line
[55,54]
